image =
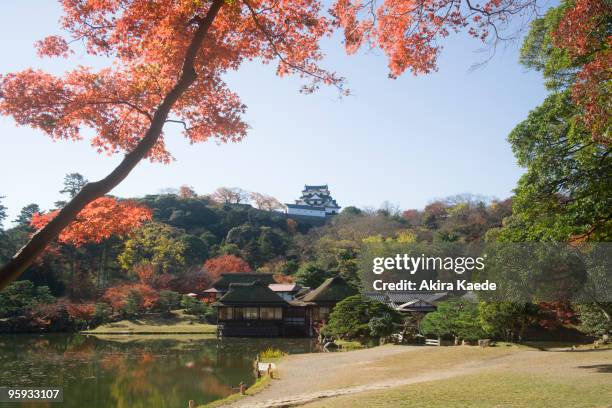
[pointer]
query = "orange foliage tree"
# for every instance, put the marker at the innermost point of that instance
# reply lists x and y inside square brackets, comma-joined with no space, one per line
[584,32]
[167,60]
[225,263]
[98,221]
[81,311]
[145,273]
[116,296]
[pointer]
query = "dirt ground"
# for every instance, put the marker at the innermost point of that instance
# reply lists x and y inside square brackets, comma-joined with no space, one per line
[312,378]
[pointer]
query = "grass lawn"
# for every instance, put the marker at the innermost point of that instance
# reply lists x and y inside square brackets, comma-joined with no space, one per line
[176,323]
[259,385]
[348,345]
[486,390]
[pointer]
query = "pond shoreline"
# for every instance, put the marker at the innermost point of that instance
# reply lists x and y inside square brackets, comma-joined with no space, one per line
[136,370]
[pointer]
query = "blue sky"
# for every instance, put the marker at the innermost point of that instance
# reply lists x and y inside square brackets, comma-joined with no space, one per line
[406,141]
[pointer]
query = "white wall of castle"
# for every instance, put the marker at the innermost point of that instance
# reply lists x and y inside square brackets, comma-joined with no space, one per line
[303,211]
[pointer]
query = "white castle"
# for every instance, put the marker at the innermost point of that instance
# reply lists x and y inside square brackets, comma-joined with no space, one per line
[314,202]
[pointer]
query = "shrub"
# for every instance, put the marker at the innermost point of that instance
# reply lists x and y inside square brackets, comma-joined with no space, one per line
[22,296]
[271,352]
[505,319]
[382,326]
[142,297]
[168,300]
[350,318]
[81,313]
[102,312]
[193,306]
[455,317]
[593,319]
[133,303]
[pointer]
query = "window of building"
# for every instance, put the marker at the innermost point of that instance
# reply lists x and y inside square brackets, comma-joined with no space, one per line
[251,313]
[238,313]
[226,313]
[271,313]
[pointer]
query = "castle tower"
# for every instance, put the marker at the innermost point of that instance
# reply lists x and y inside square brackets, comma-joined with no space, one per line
[316,201]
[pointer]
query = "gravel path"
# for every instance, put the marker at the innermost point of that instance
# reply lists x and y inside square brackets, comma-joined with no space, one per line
[309,377]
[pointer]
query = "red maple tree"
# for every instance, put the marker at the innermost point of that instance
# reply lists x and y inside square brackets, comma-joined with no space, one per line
[584,33]
[98,221]
[117,295]
[168,59]
[224,264]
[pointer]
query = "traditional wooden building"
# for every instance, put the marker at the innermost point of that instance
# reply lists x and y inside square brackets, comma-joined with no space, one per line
[252,310]
[322,300]
[255,310]
[221,285]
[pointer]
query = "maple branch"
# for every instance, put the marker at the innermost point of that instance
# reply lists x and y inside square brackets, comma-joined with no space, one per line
[270,38]
[91,191]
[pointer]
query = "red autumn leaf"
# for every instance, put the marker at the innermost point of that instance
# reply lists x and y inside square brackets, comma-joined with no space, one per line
[224,264]
[99,220]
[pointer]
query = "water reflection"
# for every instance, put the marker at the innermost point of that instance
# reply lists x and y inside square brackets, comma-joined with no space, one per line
[132,371]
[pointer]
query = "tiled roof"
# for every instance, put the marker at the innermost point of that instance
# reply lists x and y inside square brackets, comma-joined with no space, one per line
[211,290]
[242,277]
[400,298]
[416,305]
[249,294]
[285,287]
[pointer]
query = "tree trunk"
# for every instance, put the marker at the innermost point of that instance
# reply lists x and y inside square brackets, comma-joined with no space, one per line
[91,191]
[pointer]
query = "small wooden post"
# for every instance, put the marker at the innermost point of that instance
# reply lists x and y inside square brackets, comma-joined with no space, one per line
[270,371]
[242,387]
[191,404]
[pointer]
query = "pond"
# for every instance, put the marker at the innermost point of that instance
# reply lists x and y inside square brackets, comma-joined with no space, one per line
[134,371]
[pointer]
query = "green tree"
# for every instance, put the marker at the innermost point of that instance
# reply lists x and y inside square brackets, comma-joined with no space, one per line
[567,190]
[351,318]
[133,304]
[2,212]
[455,317]
[311,275]
[25,216]
[168,301]
[194,306]
[102,312]
[21,296]
[383,326]
[507,320]
[165,247]
[595,319]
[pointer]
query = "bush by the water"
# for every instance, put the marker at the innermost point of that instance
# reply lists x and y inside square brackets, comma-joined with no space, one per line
[196,307]
[22,296]
[168,300]
[352,316]
[271,352]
